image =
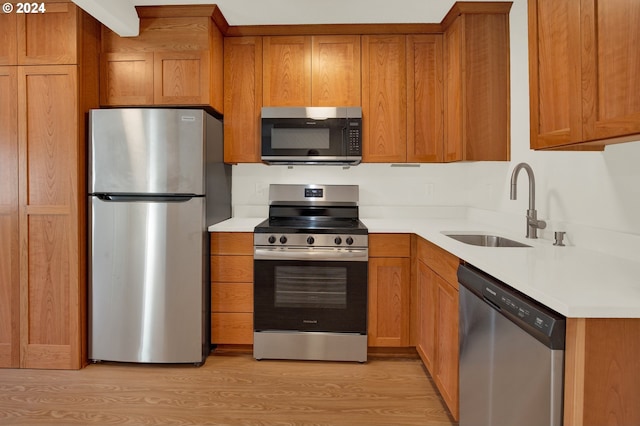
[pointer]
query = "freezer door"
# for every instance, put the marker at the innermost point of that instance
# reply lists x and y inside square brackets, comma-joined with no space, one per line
[146,150]
[147,278]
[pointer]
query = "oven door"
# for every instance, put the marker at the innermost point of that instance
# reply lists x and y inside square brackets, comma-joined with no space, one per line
[310,289]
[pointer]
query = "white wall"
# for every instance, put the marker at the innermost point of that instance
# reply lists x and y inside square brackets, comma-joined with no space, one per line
[575,191]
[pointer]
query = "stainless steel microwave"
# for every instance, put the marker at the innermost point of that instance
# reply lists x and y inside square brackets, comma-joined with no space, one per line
[312,135]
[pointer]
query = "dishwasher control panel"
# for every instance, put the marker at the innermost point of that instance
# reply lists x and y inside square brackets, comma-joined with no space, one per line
[518,307]
[543,323]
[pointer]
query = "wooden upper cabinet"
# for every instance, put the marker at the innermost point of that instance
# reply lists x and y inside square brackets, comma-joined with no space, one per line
[384,99]
[425,132]
[476,64]
[8,39]
[181,78]
[582,59]
[311,70]
[40,38]
[242,99]
[287,71]
[335,75]
[176,60]
[126,79]
[50,37]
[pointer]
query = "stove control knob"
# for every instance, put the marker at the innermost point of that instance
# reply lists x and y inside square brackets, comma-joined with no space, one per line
[272,239]
[338,241]
[349,240]
[310,240]
[283,239]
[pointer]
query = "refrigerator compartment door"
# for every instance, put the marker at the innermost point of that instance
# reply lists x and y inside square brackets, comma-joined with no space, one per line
[147,150]
[147,282]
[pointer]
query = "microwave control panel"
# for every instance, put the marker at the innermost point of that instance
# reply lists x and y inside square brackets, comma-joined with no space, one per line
[354,142]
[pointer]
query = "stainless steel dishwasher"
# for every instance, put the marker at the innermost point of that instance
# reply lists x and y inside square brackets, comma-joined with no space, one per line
[511,355]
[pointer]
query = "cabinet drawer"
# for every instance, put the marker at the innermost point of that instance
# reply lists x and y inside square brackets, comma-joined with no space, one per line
[389,245]
[232,297]
[232,243]
[441,261]
[237,269]
[232,328]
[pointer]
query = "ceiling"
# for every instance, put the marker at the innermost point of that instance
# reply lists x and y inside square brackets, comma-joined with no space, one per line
[120,15]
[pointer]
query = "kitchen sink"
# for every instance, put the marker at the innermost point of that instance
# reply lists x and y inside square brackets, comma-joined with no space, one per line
[486,240]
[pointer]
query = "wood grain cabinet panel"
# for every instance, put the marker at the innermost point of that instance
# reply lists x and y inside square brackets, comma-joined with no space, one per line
[242,99]
[8,39]
[181,78]
[476,75]
[384,99]
[425,102]
[286,71]
[231,288]
[50,37]
[437,316]
[582,56]
[9,228]
[389,290]
[335,71]
[601,372]
[50,218]
[426,314]
[126,79]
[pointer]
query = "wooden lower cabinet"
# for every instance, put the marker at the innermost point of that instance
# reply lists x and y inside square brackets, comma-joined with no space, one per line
[437,318]
[232,288]
[602,367]
[389,290]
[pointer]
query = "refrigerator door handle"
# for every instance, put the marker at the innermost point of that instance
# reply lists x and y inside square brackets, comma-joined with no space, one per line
[146,198]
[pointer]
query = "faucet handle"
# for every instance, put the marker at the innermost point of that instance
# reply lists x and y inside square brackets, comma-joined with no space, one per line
[536,223]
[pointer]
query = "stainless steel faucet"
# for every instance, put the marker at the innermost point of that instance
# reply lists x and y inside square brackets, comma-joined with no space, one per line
[533,224]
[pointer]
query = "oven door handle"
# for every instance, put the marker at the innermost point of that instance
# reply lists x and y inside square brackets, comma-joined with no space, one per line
[314,253]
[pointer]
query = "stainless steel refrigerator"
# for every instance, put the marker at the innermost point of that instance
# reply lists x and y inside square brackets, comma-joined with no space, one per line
[156,182]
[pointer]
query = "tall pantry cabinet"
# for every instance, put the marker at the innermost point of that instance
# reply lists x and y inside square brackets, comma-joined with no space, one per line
[48,80]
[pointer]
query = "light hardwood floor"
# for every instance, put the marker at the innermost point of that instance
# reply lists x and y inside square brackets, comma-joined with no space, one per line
[230,389]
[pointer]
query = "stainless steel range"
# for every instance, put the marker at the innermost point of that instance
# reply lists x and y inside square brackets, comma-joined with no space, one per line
[310,275]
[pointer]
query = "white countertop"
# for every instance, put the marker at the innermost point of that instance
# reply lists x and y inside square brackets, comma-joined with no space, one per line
[576,282]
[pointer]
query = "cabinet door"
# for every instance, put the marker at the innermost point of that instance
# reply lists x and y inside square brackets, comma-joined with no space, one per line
[9,231]
[242,99]
[49,37]
[447,352]
[126,79]
[384,98]
[287,71]
[425,133]
[389,304]
[181,78]
[50,216]
[8,40]
[426,330]
[611,54]
[336,71]
[477,87]
[554,73]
